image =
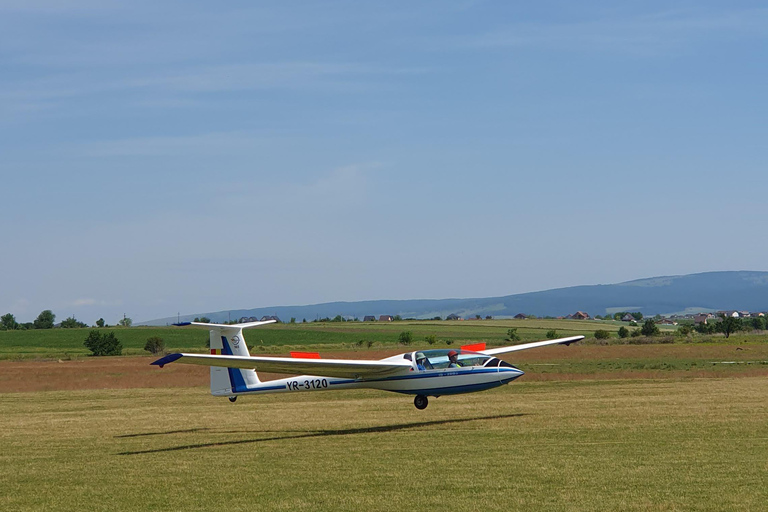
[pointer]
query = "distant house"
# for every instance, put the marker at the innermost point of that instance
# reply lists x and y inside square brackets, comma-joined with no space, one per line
[729,312]
[369,318]
[666,321]
[453,316]
[520,316]
[628,318]
[385,318]
[580,315]
[702,318]
[265,318]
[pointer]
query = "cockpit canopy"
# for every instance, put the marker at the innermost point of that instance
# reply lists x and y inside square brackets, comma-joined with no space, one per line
[438,359]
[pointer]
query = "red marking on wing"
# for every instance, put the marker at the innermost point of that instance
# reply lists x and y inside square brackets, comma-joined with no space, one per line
[306,355]
[475,347]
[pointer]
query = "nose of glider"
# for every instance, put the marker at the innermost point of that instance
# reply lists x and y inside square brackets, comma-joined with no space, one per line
[510,374]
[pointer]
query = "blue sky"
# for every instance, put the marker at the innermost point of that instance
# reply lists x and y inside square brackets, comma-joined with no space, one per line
[164,157]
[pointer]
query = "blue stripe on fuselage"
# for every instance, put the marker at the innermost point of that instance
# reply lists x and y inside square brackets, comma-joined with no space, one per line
[432,375]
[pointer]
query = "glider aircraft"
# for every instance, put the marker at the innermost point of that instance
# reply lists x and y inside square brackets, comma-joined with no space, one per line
[422,373]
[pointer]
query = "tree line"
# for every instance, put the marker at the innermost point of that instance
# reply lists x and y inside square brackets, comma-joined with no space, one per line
[47,320]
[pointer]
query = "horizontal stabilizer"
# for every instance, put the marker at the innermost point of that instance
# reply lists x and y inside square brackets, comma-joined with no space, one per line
[233,326]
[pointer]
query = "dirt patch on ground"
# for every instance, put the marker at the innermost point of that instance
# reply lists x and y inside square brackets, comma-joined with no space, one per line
[121,373]
[136,372]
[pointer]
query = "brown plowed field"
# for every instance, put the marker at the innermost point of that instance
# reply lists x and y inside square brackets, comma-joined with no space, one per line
[136,372]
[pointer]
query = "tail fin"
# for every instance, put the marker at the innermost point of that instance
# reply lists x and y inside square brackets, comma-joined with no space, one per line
[229,340]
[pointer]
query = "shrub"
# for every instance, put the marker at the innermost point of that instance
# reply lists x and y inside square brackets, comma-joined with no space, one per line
[649,328]
[551,334]
[623,332]
[512,335]
[405,338]
[431,339]
[155,345]
[602,334]
[103,344]
[635,333]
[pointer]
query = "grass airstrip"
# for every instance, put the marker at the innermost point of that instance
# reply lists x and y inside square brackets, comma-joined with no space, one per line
[681,426]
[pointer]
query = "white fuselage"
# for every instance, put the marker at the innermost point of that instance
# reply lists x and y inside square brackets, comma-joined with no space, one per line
[445,381]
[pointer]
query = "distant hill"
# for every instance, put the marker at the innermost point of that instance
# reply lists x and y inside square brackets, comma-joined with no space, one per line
[709,291]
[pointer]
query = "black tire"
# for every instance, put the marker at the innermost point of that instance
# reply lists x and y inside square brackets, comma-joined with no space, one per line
[421,402]
[232,399]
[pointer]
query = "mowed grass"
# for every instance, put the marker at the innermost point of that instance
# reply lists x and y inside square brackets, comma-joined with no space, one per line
[694,444]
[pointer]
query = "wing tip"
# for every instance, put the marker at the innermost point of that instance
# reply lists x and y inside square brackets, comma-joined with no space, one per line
[167,359]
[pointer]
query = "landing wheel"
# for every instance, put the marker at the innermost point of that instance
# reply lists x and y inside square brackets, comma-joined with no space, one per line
[421,402]
[232,399]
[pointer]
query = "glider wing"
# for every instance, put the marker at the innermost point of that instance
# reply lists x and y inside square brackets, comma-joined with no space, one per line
[344,368]
[536,344]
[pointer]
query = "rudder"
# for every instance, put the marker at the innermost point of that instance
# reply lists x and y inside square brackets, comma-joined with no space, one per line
[229,340]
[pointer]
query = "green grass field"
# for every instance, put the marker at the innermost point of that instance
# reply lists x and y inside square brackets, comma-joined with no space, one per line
[279,338]
[694,444]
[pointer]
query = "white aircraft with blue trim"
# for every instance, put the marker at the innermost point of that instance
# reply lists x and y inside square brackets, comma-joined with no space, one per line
[422,373]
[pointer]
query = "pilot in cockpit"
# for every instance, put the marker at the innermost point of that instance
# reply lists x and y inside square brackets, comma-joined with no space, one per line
[453,358]
[421,362]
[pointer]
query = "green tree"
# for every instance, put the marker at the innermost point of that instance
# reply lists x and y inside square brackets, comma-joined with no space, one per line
[155,344]
[100,322]
[649,328]
[71,323]
[728,325]
[45,320]
[405,338]
[758,323]
[623,332]
[103,344]
[125,322]
[684,330]
[602,334]
[638,315]
[512,335]
[8,322]
[397,318]
[431,339]
[551,334]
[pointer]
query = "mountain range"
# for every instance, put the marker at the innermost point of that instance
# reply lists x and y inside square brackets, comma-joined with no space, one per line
[704,292]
